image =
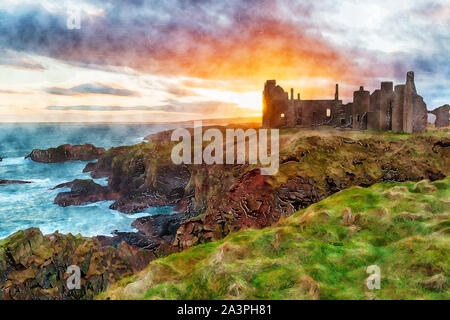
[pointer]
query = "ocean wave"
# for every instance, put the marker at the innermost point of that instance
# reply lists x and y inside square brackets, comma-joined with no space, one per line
[12,161]
[31,205]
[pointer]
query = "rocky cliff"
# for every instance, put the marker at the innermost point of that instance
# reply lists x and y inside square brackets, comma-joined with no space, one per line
[33,265]
[312,168]
[214,200]
[66,152]
[321,252]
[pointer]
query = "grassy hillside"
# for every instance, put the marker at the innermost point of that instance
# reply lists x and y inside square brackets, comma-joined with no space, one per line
[321,252]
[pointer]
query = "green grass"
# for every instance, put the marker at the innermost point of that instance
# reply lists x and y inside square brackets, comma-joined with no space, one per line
[401,227]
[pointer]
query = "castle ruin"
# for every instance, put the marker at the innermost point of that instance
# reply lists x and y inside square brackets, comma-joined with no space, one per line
[399,109]
[442,116]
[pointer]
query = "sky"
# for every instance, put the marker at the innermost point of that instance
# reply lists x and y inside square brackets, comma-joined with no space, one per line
[176,60]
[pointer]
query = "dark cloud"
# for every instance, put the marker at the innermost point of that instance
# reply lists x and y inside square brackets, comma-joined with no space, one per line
[235,39]
[205,39]
[91,88]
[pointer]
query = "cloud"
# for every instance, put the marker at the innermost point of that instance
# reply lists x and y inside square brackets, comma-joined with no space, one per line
[179,91]
[244,42]
[91,88]
[10,58]
[202,107]
[3,91]
[98,108]
[204,39]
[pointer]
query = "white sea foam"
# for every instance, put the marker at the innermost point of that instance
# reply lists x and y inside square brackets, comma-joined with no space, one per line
[12,161]
[31,205]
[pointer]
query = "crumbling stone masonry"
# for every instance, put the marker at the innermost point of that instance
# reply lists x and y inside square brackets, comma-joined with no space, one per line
[442,116]
[399,109]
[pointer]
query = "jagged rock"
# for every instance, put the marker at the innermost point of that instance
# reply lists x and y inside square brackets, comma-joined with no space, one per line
[33,265]
[161,227]
[168,188]
[90,167]
[143,175]
[66,152]
[135,239]
[239,198]
[232,197]
[248,202]
[6,182]
[83,191]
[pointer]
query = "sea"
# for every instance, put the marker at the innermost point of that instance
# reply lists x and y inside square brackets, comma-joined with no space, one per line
[31,205]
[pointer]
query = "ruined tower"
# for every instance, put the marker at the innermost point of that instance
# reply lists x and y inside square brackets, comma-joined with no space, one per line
[414,108]
[397,108]
[290,112]
[410,90]
[361,103]
[386,102]
[275,105]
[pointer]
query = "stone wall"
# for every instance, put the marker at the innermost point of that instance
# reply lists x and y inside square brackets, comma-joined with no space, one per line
[397,110]
[373,120]
[442,116]
[361,105]
[314,112]
[386,102]
[275,104]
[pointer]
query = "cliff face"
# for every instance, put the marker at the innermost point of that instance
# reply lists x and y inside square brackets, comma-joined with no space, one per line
[312,168]
[214,200]
[321,252]
[33,265]
[143,175]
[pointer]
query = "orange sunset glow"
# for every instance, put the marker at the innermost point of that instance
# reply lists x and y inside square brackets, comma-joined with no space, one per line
[170,62]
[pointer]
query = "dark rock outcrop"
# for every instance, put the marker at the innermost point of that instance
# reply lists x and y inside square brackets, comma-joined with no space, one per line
[161,227]
[143,175]
[66,152]
[155,233]
[135,239]
[167,188]
[6,182]
[34,266]
[83,191]
[90,167]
